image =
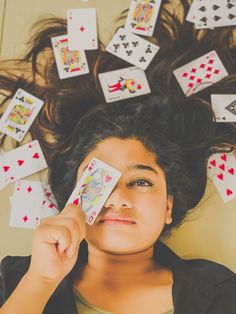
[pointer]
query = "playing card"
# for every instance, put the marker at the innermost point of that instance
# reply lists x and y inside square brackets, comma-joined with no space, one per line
[200,73]
[132,48]
[124,83]
[70,63]
[222,13]
[82,29]
[142,16]
[94,187]
[20,114]
[222,171]
[191,15]
[21,162]
[200,13]
[49,203]
[224,107]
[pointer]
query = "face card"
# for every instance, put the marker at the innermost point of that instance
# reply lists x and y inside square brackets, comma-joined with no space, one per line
[82,29]
[21,162]
[132,48]
[200,73]
[142,16]
[222,13]
[94,187]
[20,114]
[222,171]
[224,107]
[124,83]
[70,63]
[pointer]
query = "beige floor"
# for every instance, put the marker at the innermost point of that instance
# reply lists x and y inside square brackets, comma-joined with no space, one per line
[209,233]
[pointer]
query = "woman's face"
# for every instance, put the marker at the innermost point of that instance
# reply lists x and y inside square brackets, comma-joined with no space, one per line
[138,208]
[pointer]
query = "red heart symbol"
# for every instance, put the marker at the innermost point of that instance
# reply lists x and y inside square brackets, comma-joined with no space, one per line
[6,168]
[29,189]
[229,192]
[231,170]
[213,163]
[76,202]
[222,166]
[48,194]
[223,157]
[51,205]
[108,178]
[20,162]
[36,156]
[29,145]
[90,168]
[220,176]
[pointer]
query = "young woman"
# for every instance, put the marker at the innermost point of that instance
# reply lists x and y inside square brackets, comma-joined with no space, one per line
[160,144]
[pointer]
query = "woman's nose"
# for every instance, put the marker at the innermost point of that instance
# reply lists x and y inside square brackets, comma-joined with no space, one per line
[119,198]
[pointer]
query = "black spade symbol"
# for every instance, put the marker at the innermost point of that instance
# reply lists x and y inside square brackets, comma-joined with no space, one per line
[215,7]
[216,18]
[203,9]
[231,16]
[204,19]
[230,5]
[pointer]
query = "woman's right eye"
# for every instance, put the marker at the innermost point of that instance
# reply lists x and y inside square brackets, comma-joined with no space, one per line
[140,182]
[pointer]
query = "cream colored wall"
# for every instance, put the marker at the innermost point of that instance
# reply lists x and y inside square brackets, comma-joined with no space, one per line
[208,233]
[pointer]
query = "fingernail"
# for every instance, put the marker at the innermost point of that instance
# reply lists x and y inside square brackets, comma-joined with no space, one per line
[70,252]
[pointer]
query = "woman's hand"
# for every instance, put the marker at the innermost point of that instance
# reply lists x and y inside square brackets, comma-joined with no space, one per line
[55,245]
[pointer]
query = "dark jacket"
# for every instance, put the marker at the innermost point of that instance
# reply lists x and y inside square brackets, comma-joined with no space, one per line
[200,286]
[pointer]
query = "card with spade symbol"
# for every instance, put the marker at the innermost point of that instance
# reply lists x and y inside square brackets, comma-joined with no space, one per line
[93,188]
[21,162]
[20,114]
[132,48]
[142,16]
[221,169]
[222,13]
[224,107]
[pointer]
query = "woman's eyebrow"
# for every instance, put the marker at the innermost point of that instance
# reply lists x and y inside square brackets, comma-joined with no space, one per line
[142,167]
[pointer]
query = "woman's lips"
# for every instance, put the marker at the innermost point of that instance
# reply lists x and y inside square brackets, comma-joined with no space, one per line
[117,220]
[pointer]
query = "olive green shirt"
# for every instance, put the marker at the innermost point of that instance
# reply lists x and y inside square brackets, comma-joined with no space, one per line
[84,307]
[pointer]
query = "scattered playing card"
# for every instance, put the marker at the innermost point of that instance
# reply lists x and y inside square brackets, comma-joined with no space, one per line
[94,187]
[20,114]
[222,171]
[132,48]
[142,16]
[200,73]
[224,107]
[28,204]
[82,29]
[70,63]
[21,162]
[124,83]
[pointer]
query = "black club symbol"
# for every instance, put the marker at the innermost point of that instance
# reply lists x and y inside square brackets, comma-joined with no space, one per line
[135,43]
[125,45]
[129,52]
[142,59]
[122,37]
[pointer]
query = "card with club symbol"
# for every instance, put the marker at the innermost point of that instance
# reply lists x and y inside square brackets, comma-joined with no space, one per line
[224,107]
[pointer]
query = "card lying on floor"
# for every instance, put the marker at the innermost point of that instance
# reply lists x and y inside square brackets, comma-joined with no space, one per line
[93,188]
[124,83]
[212,13]
[21,162]
[28,204]
[142,16]
[70,63]
[20,114]
[132,48]
[200,73]
[82,29]
[224,107]
[222,171]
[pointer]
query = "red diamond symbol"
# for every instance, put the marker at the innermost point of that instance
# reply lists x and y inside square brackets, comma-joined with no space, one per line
[211,61]
[217,72]
[192,77]
[208,75]
[209,68]
[193,70]
[82,28]
[199,80]
[25,218]
[185,74]
[29,189]
[190,84]
[202,66]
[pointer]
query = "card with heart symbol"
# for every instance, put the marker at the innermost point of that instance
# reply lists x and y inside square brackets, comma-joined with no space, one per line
[21,162]
[93,188]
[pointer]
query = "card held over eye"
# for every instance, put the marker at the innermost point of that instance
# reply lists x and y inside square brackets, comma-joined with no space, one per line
[93,188]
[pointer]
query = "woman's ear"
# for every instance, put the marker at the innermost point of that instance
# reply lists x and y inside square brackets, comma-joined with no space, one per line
[169,206]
